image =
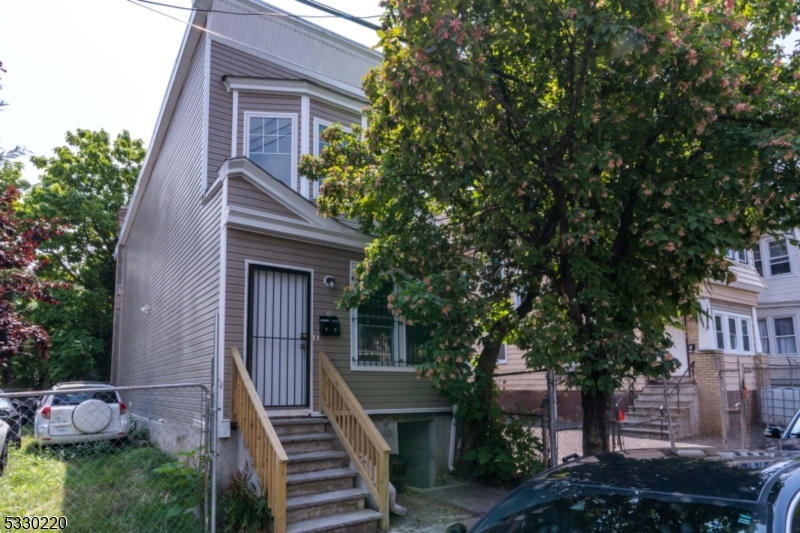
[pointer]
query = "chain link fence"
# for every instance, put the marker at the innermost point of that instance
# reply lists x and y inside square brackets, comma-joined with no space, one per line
[717,401]
[99,459]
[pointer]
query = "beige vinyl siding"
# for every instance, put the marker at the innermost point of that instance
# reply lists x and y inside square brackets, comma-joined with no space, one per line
[726,293]
[229,61]
[375,390]
[243,193]
[731,307]
[516,361]
[171,262]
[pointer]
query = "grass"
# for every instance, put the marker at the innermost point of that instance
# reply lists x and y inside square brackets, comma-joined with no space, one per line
[99,487]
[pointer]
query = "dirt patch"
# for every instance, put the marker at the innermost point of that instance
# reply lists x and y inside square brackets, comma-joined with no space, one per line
[427,514]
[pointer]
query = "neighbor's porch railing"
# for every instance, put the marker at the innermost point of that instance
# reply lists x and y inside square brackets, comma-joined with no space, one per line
[266,451]
[365,445]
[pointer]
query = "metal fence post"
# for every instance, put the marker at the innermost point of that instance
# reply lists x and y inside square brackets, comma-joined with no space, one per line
[723,403]
[553,415]
[669,413]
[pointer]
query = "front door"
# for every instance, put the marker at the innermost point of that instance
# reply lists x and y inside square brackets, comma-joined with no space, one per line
[278,350]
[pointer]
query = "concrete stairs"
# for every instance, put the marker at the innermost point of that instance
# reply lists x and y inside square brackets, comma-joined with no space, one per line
[321,492]
[645,419]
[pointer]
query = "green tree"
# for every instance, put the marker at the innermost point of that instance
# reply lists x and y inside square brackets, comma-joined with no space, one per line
[82,186]
[593,158]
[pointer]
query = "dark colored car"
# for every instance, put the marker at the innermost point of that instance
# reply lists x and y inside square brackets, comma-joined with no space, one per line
[789,437]
[686,490]
[10,415]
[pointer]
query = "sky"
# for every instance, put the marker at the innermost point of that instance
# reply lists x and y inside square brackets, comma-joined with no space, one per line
[95,64]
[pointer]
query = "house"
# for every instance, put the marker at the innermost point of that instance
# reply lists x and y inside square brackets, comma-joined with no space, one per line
[227,276]
[778,262]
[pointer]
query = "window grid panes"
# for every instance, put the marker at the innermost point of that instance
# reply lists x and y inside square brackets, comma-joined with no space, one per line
[745,336]
[779,258]
[757,260]
[737,255]
[720,333]
[271,146]
[732,333]
[763,332]
[785,338]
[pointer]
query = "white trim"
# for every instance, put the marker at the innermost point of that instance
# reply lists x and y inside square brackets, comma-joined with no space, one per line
[300,411]
[235,125]
[774,332]
[363,127]
[411,410]
[268,114]
[224,425]
[756,332]
[305,113]
[212,189]
[206,108]
[297,230]
[504,362]
[706,334]
[724,316]
[297,88]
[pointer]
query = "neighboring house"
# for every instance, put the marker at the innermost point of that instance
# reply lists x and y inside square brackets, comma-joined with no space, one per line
[778,262]
[222,227]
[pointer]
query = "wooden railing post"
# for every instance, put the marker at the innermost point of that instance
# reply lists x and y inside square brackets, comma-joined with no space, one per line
[269,458]
[363,442]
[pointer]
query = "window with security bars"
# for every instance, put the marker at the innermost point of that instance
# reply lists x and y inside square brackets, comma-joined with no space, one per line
[381,340]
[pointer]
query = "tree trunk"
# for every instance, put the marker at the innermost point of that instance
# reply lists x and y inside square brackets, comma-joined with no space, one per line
[596,416]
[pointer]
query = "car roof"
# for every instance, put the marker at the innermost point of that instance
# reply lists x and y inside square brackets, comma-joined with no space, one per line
[709,472]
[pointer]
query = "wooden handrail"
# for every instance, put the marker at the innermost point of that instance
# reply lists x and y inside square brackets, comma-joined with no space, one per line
[266,451]
[361,439]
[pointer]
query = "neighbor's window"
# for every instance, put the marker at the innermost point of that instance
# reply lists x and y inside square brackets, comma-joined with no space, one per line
[503,356]
[779,258]
[733,333]
[757,259]
[381,340]
[271,145]
[763,332]
[738,255]
[785,339]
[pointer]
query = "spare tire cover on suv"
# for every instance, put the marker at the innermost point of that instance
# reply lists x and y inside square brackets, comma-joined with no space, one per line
[91,416]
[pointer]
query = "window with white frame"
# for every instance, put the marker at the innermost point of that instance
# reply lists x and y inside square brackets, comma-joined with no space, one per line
[763,332]
[271,144]
[757,259]
[380,340]
[503,356]
[733,332]
[737,255]
[785,336]
[320,144]
[779,262]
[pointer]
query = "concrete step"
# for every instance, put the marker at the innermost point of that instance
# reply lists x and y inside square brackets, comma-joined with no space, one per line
[307,483]
[298,425]
[307,442]
[364,521]
[315,461]
[325,504]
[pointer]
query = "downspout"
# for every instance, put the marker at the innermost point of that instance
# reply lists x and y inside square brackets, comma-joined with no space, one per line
[451,457]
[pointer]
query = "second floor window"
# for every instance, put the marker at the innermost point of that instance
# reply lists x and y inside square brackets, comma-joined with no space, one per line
[779,258]
[271,145]
[785,338]
[757,259]
[737,255]
[763,332]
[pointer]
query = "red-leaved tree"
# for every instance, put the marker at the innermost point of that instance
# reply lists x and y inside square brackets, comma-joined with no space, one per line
[19,283]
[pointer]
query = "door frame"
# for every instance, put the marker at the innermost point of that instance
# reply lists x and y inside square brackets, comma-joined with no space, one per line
[248,265]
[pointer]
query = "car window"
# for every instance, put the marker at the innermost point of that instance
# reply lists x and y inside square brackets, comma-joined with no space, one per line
[76,398]
[573,510]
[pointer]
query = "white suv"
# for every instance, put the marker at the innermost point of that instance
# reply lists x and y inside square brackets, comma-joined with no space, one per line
[80,412]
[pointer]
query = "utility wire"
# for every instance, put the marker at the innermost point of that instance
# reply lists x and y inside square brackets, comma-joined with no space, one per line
[332,13]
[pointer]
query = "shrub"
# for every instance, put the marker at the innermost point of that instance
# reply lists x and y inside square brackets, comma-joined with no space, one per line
[245,508]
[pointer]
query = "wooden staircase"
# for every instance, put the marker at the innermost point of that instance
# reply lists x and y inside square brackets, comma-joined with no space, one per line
[321,492]
[309,483]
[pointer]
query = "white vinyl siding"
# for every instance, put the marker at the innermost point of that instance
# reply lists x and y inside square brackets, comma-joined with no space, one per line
[733,332]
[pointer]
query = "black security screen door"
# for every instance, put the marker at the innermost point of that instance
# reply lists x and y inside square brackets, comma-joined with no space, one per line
[278,354]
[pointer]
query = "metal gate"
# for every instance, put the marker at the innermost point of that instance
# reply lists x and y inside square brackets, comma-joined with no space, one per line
[278,355]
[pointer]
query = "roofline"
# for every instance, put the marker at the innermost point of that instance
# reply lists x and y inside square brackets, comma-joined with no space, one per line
[191,37]
[297,20]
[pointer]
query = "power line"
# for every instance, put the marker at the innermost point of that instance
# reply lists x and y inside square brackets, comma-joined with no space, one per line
[332,13]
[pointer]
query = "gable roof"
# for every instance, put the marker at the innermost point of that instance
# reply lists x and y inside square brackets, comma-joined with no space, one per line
[252,28]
